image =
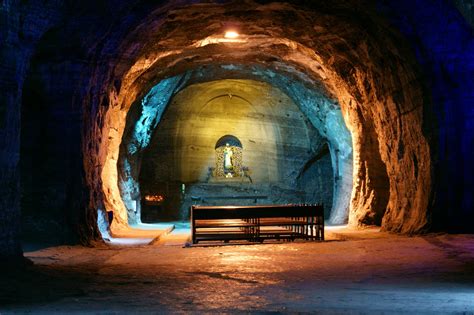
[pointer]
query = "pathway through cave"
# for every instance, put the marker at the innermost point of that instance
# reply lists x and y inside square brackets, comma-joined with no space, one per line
[356,271]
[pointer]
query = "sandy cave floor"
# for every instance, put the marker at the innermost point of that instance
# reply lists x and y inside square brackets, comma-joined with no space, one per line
[354,272]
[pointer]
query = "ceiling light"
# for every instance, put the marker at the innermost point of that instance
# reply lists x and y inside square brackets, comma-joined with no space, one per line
[231,34]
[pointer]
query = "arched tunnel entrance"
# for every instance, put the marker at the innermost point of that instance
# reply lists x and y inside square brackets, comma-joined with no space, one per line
[348,97]
[284,159]
[358,89]
[300,135]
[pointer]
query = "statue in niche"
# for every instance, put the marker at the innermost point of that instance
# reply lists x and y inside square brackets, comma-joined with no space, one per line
[228,158]
[228,166]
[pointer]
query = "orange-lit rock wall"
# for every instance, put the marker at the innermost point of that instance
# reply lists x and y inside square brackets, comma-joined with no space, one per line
[373,83]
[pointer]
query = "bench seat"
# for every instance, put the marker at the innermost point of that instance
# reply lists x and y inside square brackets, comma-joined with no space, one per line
[257,223]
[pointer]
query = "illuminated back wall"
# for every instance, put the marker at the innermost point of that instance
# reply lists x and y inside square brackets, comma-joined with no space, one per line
[276,137]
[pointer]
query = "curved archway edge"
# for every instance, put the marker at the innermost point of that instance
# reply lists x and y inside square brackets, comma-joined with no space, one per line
[357,85]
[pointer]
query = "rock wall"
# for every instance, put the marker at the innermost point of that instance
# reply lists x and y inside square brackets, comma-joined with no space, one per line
[409,80]
[466,7]
[378,76]
[277,140]
[384,180]
[277,143]
[21,26]
[9,130]
[52,192]
[444,47]
[317,180]
[322,113]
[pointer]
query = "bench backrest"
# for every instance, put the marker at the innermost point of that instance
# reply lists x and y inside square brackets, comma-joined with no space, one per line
[262,211]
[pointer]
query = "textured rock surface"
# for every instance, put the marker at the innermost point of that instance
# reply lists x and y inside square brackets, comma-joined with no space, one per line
[19,32]
[466,7]
[383,157]
[52,192]
[378,87]
[405,90]
[276,138]
[444,47]
[317,180]
[323,113]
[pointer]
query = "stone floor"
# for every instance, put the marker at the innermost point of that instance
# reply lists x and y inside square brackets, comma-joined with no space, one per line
[354,272]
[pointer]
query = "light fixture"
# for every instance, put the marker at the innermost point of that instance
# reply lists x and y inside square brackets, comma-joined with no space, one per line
[154,198]
[231,34]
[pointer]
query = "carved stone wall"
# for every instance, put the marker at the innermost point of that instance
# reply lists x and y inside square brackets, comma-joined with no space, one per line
[401,72]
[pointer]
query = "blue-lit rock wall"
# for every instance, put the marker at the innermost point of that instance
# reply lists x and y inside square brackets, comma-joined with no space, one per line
[52,39]
[9,131]
[443,43]
[20,30]
[52,192]
[466,7]
[142,123]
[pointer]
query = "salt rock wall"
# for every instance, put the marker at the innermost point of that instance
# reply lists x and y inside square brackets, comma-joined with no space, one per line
[402,63]
[277,140]
[322,113]
[466,7]
[381,154]
[20,30]
[388,80]
[443,44]
[316,179]
[52,192]
[277,143]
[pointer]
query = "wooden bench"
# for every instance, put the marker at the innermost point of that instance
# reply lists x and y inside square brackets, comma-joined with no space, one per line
[257,223]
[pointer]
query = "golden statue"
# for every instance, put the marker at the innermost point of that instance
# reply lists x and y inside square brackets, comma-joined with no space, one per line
[228,166]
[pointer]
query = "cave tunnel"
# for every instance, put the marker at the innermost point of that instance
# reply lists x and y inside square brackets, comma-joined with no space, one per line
[115,115]
[280,149]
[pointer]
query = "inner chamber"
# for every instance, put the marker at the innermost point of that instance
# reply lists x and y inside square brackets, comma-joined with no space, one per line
[232,142]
